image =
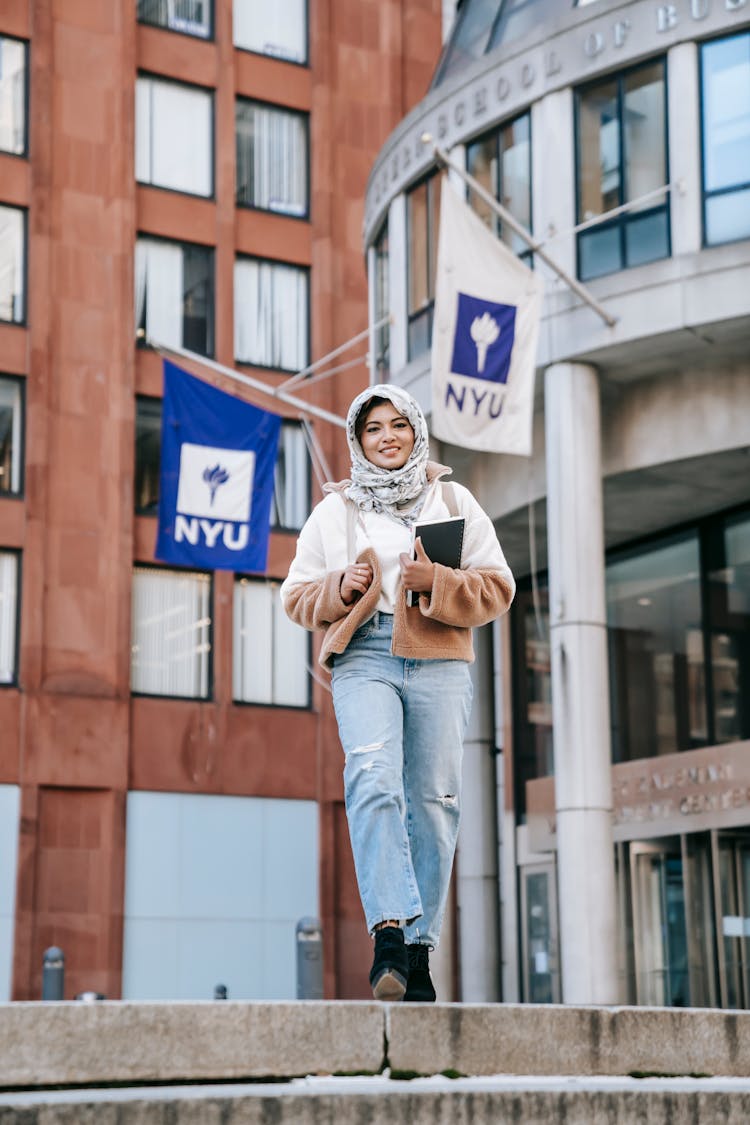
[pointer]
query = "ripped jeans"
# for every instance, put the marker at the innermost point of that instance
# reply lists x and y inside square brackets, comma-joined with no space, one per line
[402,724]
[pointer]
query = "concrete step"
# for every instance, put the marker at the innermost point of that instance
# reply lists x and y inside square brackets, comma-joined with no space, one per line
[423,1101]
[92,1044]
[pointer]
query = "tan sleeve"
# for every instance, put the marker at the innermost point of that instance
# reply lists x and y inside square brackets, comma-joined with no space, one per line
[317,604]
[467,598]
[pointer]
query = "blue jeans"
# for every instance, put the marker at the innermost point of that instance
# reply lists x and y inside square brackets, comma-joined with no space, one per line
[402,725]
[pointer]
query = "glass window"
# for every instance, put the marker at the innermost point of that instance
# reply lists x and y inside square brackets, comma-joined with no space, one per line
[192,17]
[270,314]
[725,73]
[621,157]
[8,615]
[533,741]
[171,636]
[147,455]
[10,824]
[519,17]
[11,456]
[13,70]
[12,265]
[501,161]
[382,305]
[657,672]
[272,158]
[468,38]
[423,223]
[729,600]
[278,29]
[174,294]
[271,653]
[173,136]
[291,484]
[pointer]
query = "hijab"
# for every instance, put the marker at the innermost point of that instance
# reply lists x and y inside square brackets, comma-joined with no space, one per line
[398,493]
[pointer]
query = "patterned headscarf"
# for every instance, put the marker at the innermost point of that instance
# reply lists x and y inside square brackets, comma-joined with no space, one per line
[385,490]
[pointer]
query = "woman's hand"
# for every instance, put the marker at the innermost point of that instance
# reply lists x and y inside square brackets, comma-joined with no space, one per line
[417,574]
[355,581]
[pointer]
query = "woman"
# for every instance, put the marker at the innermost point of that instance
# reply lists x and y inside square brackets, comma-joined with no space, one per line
[400,674]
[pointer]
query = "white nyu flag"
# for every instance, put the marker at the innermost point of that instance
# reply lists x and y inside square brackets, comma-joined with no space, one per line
[487,309]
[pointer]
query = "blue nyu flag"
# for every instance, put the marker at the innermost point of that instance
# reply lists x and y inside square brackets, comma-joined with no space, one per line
[218,456]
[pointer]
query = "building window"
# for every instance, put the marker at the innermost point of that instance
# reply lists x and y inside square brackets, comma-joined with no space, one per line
[291,482]
[382,305]
[174,294]
[270,314]
[621,143]
[13,72]
[272,146]
[532,688]
[12,265]
[728,587]
[8,616]
[147,455]
[11,428]
[725,72]
[278,29]
[271,653]
[173,136]
[191,17]
[171,636]
[291,497]
[423,223]
[501,162]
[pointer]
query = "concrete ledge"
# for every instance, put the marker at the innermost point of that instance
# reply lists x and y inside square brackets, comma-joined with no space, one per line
[421,1102]
[547,1039]
[110,1042]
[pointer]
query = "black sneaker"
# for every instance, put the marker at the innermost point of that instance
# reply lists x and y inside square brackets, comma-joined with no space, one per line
[390,966]
[419,988]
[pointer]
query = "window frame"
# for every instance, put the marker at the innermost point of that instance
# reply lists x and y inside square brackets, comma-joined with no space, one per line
[303,269]
[241,99]
[14,681]
[210,92]
[271,584]
[705,194]
[527,254]
[24,154]
[426,313]
[621,222]
[184,572]
[141,338]
[20,382]
[287,529]
[23,322]
[208,38]
[306,63]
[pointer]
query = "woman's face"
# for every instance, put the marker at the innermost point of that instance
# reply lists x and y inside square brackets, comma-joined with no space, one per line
[387,438]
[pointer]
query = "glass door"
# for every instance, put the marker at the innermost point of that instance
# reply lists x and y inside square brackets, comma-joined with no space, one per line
[541,971]
[732,860]
[659,930]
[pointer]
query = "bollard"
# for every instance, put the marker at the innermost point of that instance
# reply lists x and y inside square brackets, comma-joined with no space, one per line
[220,992]
[53,974]
[309,959]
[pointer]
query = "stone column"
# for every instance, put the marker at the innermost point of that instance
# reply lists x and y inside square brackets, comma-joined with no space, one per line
[580,688]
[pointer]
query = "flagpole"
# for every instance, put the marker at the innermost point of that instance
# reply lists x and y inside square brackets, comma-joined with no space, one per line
[520,230]
[256,384]
[300,375]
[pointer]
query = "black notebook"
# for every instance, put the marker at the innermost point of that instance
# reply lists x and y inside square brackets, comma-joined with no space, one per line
[443,541]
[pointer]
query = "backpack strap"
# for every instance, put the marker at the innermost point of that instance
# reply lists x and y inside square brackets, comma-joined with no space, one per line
[351,524]
[449,497]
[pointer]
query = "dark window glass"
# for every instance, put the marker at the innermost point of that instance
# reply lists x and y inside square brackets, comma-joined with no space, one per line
[533,746]
[501,162]
[174,294]
[382,306]
[622,157]
[423,223]
[272,145]
[726,138]
[13,77]
[147,455]
[468,38]
[11,428]
[729,601]
[192,17]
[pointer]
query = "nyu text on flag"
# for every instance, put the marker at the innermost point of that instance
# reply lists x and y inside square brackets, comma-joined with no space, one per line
[218,456]
[487,309]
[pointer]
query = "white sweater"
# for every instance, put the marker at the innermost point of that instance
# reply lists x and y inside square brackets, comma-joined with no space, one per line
[322,543]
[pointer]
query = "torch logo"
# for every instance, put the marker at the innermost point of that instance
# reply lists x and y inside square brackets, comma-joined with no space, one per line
[484,336]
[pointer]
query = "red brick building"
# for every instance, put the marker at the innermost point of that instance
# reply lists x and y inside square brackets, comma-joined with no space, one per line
[103,103]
